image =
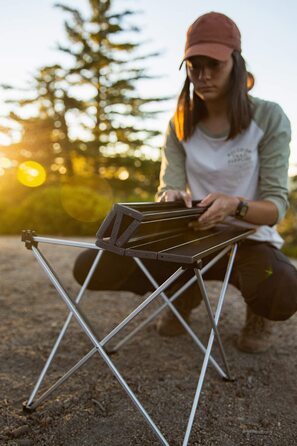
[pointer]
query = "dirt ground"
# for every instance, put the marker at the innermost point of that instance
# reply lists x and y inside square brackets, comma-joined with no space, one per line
[258,408]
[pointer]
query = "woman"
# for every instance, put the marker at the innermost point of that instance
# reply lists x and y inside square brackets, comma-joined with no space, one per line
[231,151]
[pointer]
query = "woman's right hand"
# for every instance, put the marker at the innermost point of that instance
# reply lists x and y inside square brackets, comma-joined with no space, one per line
[174,195]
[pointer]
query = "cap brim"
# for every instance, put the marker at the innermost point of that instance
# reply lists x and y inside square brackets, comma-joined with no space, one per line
[214,50]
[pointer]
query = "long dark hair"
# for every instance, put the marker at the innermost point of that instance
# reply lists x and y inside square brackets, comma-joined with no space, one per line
[191,108]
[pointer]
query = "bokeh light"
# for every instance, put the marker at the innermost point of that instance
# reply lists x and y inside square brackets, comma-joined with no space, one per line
[123,174]
[31,174]
[86,198]
[5,163]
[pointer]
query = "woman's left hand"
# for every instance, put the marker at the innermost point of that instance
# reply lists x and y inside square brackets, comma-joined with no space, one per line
[221,206]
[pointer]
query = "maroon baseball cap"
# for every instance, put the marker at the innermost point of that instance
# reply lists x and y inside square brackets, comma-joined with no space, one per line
[214,35]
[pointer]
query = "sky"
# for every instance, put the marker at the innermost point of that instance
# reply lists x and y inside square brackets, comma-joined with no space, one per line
[31,30]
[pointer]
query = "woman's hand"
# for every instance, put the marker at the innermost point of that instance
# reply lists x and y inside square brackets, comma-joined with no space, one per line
[221,206]
[174,195]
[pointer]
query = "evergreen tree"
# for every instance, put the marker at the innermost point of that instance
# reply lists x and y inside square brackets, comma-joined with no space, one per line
[105,65]
[45,133]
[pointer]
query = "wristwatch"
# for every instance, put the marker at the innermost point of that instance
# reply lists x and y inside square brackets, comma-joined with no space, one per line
[241,209]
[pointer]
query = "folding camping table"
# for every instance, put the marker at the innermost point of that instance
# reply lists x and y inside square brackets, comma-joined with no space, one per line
[157,231]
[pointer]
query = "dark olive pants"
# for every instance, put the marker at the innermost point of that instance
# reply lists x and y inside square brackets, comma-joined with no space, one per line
[263,274]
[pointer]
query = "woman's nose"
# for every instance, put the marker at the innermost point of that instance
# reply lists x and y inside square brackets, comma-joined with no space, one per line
[204,73]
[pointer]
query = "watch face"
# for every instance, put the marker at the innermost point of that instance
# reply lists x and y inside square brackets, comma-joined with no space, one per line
[242,209]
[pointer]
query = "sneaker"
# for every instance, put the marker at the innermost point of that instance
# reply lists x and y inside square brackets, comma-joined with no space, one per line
[256,336]
[169,325]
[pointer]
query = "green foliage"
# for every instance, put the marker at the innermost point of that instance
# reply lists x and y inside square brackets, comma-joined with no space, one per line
[290,250]
[73,207]
[58,210]
[288,227]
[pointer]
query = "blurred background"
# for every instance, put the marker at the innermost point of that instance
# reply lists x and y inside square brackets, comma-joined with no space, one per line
[87,89]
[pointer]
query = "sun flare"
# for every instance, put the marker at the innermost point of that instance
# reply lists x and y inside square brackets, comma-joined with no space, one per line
[31,174]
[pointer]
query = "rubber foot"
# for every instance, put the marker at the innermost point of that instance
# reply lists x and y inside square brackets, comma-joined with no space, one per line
[27,409]
[231,379]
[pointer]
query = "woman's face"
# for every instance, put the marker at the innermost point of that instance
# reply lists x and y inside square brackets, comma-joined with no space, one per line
[210,77]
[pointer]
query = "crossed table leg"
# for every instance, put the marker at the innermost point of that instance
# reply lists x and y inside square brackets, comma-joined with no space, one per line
[98,345]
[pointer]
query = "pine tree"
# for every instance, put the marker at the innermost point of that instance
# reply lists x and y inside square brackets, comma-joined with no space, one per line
[105,64]
[45,133]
